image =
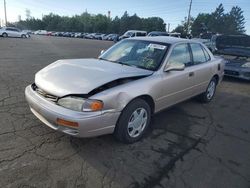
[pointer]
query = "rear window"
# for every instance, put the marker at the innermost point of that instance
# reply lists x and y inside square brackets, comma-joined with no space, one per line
[198,53]
[141,34]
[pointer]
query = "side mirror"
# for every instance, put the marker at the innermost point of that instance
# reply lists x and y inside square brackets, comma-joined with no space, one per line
[174,67]
[102,52]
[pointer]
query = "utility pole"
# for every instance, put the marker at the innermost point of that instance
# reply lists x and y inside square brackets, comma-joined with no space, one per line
[5,13]
[188,21]
[168,27]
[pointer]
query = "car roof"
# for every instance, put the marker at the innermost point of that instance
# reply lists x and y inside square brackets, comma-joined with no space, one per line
[163,39]
[136,31]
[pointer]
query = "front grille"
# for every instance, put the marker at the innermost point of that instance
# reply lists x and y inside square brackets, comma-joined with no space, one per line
[232,73]
[44,94]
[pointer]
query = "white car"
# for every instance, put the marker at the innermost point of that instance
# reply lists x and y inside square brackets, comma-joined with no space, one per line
[41,32]
[133,33]
[13,32]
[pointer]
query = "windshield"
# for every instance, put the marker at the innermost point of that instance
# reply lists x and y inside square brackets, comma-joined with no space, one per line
[142,54]
[128,34]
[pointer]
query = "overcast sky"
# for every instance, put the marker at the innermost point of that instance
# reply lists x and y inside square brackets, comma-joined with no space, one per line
[172,11]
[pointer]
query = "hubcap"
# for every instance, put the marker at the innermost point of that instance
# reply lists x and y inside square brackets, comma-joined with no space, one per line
[210,90]
[137,122]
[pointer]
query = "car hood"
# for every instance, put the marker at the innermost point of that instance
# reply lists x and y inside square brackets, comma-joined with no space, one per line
[80,76]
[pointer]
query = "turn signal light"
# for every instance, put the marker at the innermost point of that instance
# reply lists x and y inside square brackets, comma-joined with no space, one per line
[96,105]
[67,123]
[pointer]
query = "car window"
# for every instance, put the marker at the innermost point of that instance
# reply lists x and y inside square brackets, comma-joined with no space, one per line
[142,54]
[180,54]
[198,54]
[139,34]
[207,56]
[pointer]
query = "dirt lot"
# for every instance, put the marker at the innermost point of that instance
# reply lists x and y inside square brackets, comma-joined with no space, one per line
[189,145]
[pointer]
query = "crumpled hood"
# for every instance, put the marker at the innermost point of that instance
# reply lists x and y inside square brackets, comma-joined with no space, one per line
[80,76]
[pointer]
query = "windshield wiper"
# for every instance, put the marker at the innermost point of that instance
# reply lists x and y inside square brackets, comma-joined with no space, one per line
[118,62]
[121,63]
[103,59]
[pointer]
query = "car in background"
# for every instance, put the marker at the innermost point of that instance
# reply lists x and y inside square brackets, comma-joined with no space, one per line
[89,36]
[29,32]
[106,36]
[175,34]
[114,37]
[120,91]
[111,37]
[133,33]
[236,50]
[50,33]
[157,33]
[237,67]
[78,35]
[98,36]
[66,34]
[40,32]
[13,32]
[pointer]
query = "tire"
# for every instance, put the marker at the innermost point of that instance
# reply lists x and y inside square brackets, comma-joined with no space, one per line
[130,129]
[23,36]
[208,95]
[5,35]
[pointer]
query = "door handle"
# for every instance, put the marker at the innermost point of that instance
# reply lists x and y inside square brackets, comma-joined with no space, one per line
[191,74]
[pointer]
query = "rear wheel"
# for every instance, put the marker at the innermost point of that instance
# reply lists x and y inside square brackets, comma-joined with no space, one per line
[208,95]
[5,35]
[133,121]
[23,36]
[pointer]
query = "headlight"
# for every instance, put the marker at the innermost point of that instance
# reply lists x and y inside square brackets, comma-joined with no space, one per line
[80,104]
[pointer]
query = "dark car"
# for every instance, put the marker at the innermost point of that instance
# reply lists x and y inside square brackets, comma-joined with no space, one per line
[236,50]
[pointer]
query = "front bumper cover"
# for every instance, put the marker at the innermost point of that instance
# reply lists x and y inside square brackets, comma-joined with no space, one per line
[90,123]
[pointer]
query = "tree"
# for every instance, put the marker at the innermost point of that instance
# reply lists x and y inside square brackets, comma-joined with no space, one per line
[182,28]
[201,24]
[93,23]
[237,20]
[219,22]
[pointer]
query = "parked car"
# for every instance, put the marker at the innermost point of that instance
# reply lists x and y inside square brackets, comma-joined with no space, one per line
[90,36]
[119,92]
[237,67]
[157,33]
[133,33]
[98,36]
[13,32]
[40,32]
[236,50]
[66,34]
[106,37]
[114,37]
[50,33]
[78,35]
[175,34]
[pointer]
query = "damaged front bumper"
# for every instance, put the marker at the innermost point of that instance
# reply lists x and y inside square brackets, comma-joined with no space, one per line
[89,124]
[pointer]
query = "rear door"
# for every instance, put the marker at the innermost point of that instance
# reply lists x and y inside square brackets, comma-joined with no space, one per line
[202,68]
[16,33]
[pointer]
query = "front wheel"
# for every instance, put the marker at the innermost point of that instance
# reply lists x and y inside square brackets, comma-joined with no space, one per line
[23,36]
[208,95]
[5,35]
[133,121]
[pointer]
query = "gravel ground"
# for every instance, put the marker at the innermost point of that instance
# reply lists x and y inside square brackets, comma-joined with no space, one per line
[188,145]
